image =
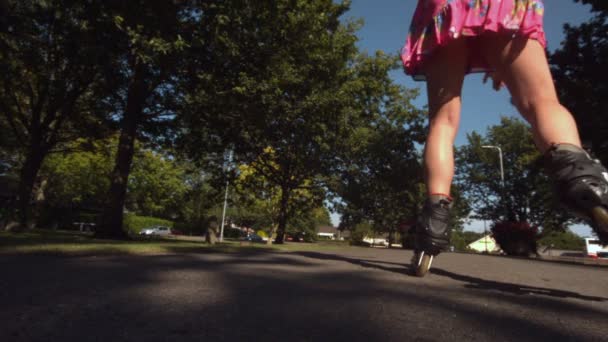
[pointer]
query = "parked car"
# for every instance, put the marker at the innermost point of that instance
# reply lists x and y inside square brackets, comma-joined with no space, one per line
[595,249]
[156,231]
[254,238]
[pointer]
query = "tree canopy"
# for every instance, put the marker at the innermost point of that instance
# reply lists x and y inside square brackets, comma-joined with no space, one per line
[50,59]
[276,89]
[133,107]
[527,194]
[579,67]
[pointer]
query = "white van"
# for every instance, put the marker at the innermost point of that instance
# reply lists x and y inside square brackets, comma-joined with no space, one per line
[594,249]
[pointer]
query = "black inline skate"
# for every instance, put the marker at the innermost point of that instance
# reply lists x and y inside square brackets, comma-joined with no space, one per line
[581,183]
[431,233]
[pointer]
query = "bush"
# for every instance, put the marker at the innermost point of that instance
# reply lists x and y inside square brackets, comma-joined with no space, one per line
[309,238]
[563,240]
[515,238]
[233,233]
[458,242]
[133,224]
[261,233]
[359,233]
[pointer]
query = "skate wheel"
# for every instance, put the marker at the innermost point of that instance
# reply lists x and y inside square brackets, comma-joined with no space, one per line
[600,216]
[423,264]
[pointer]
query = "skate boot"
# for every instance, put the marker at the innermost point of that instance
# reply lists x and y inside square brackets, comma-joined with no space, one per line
[431,232]
[581,183]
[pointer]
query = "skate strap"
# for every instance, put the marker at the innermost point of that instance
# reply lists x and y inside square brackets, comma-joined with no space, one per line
[439,196]
[570,166]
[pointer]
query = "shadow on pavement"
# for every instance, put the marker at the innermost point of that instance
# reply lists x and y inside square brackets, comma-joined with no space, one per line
[259,296]
[482,284]
[380,265]
[472,282]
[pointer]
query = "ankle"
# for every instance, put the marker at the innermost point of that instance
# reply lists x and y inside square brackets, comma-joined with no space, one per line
[437,197]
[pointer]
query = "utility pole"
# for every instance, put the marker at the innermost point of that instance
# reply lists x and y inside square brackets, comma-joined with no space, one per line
[502,171]
[485,235]
[502,176]
[225,201]
[224,213]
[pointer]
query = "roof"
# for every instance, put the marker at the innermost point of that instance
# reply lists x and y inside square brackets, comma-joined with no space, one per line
[486,243]
[328,229]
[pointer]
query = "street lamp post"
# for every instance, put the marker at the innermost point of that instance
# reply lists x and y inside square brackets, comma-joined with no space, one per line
[502,174]
[485,235]
[224,213]
[225,203]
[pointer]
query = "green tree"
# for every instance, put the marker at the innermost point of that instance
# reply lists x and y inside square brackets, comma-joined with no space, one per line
[256,189]
[9,149]
[273,78]
[50,59]
[378,171]
[307,222]
[157,185]
[526,196]
[201,202]
[79,180]
[563,240]
[147,48]
[579,67]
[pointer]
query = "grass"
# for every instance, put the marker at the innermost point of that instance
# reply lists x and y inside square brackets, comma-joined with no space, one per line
[71,243]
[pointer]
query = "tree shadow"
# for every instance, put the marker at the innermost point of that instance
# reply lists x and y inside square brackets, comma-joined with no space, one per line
[256,295]
[516,289]
[380,265]
[471,282]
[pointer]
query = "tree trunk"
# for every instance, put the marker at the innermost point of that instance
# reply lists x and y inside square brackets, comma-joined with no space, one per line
[273,231]
[112,217]
[27,178]
[282,222]
[211,236]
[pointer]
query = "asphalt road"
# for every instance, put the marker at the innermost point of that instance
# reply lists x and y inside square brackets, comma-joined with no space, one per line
[357,295]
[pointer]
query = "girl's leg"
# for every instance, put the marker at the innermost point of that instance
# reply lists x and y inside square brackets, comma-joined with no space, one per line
[445,74]
[581,182]
[523,66]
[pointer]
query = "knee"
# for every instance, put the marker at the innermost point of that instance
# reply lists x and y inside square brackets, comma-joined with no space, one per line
[447,116]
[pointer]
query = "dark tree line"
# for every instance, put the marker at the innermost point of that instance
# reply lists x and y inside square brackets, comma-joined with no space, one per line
[281,85]
[579,67]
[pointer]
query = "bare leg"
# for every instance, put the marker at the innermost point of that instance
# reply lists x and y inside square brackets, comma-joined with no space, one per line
[581,182]
[523,66]
[445,75]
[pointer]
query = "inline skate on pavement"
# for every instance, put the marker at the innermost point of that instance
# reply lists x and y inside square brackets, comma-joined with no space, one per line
[431,233]
[581,184]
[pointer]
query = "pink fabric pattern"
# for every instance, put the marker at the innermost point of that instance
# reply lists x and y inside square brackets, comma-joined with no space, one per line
[436,22]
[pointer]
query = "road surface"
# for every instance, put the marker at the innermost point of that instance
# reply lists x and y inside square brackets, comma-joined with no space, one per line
[359,294]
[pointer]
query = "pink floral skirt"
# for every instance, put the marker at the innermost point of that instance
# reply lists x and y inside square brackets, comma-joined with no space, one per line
[436,22]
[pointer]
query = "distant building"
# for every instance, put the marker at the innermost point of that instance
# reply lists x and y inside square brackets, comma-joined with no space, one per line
[332,233]
[485,244]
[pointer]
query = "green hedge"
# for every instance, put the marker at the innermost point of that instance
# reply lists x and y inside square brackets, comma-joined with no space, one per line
[133,224]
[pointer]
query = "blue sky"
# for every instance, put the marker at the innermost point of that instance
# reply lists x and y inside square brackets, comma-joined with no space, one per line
[386,23]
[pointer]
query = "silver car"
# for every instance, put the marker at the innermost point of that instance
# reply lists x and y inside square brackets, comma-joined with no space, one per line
[156,231]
